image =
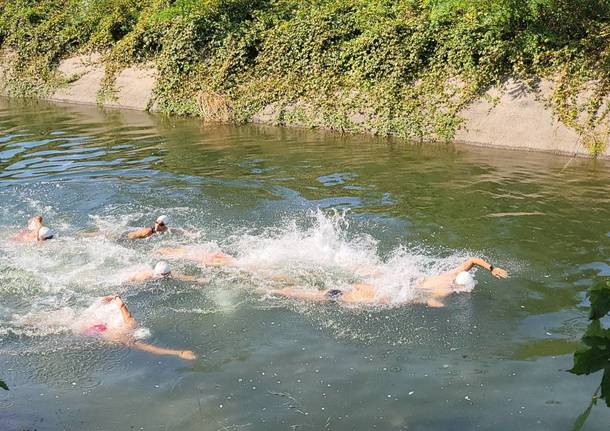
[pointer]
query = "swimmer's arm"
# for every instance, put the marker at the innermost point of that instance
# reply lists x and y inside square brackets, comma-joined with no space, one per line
[184,354]
[189,278]
[128,319]
[139,277]
[475,261]
[24,235]
[145,232]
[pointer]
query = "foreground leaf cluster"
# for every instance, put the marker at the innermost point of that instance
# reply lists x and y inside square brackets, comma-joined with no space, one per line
[594,355]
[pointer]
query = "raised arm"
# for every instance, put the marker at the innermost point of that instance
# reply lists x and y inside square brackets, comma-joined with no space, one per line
[128,319]
[476,261]
[30,233]
[131,323]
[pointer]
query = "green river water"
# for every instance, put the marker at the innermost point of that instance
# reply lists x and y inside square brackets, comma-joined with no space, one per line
[317,206]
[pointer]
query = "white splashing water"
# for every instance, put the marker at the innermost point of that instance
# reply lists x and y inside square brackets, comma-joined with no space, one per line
[71,271]
[68,262]
[325,254]
[324,245]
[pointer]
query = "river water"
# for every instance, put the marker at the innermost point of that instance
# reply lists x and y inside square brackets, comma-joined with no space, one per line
[320,208]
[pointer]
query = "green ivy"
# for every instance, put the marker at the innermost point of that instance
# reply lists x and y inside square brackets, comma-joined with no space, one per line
[405,67]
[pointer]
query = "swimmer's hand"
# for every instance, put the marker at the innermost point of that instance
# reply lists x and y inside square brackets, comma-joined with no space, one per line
[187,355]
[118,301]
[499,273]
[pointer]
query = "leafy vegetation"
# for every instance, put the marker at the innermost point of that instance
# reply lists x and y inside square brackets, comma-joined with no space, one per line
[404,67]
[594,355]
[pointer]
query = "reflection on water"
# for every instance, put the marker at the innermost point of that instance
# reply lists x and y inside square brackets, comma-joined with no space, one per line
[317,207]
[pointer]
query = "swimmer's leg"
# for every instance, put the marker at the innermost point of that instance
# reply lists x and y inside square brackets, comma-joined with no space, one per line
[172,251]
[285,278]
[218,259]
[307,295]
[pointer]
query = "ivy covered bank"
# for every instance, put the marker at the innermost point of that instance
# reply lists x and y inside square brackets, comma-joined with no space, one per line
[405,67]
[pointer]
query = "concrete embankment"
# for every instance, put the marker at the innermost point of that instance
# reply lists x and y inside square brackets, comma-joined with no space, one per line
[512,117]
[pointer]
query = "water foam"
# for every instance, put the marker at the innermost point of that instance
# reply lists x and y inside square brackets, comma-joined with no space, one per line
[324,254]
[324,245]
[60,277]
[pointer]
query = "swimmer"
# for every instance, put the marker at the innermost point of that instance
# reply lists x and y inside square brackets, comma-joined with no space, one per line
[198,255]
[35,231]
[110,319]
[159,226]
[433,288]
[162,270]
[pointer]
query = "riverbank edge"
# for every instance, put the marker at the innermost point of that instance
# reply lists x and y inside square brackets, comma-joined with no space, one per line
[510,117]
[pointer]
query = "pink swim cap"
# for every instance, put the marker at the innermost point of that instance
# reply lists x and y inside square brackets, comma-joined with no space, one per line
[96,329]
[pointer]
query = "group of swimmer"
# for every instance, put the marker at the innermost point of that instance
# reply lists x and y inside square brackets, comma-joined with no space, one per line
[110,319]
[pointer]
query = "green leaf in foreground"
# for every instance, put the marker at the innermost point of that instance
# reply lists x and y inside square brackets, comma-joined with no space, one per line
[595,354]
[3,385]
[599,296]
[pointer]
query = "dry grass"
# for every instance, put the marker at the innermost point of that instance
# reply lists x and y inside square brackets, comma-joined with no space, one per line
[214,108]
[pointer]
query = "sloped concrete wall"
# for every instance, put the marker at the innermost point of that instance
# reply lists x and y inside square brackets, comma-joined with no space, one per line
[518,119]
[134,85]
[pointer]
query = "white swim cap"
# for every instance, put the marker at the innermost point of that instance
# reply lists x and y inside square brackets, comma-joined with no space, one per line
[45,233]
[162,268]
[163,220]
[464,278]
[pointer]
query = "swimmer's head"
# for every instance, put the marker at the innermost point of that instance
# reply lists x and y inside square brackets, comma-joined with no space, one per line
[161,223]
[162,269]
[44,233]
[464,281]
